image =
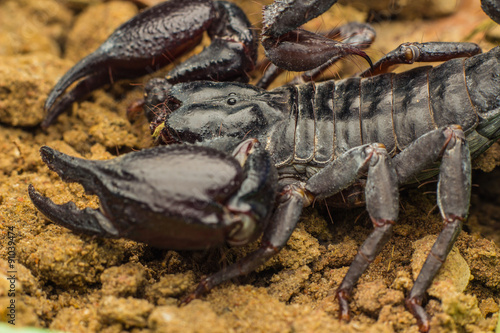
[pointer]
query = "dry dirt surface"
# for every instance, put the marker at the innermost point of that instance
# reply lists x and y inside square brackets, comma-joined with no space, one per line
[74,283]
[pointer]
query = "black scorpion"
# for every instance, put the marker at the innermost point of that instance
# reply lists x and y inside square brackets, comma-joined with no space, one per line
[374,131]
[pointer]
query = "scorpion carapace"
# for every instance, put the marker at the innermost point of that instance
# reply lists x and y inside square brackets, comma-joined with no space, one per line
[380,131]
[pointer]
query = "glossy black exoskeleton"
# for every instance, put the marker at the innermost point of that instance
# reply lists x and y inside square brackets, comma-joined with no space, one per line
[180,196]
[374,131]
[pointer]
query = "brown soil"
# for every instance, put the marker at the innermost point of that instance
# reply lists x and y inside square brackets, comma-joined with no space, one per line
[76,283]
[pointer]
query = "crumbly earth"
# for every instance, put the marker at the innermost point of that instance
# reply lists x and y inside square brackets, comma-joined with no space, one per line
[74,283]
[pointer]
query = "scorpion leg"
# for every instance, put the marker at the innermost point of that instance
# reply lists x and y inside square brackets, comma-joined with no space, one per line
[156,37]
[408,53]
[382,199]
[290,203]
[360,35]
[454,187]
[356,34]
[296,49]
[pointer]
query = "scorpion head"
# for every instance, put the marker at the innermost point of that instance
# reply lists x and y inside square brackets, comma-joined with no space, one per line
[203,110]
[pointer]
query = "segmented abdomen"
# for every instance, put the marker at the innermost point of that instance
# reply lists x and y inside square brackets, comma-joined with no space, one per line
[330,118]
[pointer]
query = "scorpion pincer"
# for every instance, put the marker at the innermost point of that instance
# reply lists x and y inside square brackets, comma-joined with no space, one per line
[310,141]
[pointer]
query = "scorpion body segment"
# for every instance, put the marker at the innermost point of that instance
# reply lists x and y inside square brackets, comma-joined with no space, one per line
[315,123]
[376,132]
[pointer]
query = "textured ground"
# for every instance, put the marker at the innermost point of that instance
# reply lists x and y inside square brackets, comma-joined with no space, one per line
[76,283]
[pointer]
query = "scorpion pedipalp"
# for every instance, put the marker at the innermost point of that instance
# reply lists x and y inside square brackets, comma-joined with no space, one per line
[145,195]
[155,38]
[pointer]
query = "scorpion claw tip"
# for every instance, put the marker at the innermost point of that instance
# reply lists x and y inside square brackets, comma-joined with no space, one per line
[49,119]
[48,155]
[41,202]
[32,192]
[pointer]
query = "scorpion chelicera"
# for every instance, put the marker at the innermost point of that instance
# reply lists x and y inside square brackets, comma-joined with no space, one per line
[277,151]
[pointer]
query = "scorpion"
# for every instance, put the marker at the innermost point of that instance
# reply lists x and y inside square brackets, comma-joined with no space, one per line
[277,151]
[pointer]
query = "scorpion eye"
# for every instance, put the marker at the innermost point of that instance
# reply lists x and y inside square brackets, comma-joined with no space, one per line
[231,100]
